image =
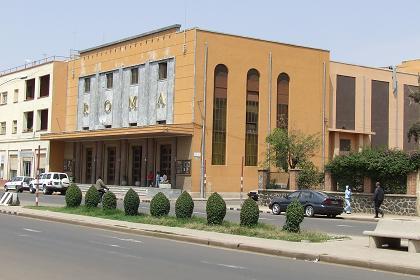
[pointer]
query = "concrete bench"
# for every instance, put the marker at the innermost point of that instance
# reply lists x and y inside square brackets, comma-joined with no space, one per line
[391,231]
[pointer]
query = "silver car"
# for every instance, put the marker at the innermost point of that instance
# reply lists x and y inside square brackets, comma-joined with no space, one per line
[18,184]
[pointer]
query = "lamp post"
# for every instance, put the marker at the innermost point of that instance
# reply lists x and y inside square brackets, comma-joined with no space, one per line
[17,78]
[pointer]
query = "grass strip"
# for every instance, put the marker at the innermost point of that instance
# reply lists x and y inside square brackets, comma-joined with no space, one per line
[261,230]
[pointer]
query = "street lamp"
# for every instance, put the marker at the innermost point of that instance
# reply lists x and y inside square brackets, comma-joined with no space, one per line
[17,78]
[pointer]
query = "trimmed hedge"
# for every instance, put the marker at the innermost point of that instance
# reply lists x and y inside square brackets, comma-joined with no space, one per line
[159,205]
[215,209]
[250,213]
[92,197]
[109,201]
[73,196]
[184,206]
[131,203]
[294,216]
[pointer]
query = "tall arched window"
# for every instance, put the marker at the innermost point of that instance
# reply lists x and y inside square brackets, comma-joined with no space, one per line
[251,133]
[283,101]
[218,156]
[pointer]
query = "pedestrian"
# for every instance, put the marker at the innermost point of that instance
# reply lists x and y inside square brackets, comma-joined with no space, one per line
[157,179]
[150,179]
[378,198]
[347,198]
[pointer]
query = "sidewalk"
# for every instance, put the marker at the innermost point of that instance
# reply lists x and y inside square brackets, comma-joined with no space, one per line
[353,252]
[365,217]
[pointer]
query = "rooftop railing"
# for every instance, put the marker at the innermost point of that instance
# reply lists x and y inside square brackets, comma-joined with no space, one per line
[32,64]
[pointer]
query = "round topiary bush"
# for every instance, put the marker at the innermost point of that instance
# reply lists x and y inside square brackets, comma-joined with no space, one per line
[184,206]
[159,206]
[131,203]
[109,201]
[215,209]
[73,196]
[92,197]
[294,216]
[250,213]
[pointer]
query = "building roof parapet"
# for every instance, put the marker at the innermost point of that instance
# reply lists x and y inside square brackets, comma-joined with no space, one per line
[152,32]
[33,64]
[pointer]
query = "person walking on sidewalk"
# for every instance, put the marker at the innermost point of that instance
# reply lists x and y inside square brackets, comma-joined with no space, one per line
[378,198]
[347,198]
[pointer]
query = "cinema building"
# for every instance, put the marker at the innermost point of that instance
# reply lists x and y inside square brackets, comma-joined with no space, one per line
[195,104]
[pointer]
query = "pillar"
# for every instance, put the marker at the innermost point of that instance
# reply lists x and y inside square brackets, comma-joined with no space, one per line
[99,158]
[263,179]
[293,176]
[77,163]
[124,161]
[329,184]
[367,185]
[412,183]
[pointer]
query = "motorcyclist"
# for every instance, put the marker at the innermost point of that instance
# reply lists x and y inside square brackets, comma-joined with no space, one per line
[100,186]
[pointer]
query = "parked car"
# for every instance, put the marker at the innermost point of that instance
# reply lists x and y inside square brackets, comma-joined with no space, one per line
[50,182]
[314,202]
[18,184]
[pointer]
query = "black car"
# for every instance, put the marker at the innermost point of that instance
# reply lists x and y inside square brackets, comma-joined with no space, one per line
[314,202]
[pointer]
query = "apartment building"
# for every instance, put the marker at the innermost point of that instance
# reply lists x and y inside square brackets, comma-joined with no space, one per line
[31,104]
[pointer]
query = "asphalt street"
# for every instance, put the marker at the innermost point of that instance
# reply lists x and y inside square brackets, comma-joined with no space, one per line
[334,226]
[35,249]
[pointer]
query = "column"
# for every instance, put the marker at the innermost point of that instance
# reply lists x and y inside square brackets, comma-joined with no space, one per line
[118,164]
[77,163]
[329,184]
[99,160]
[293,175]
[336,143]
[124,163]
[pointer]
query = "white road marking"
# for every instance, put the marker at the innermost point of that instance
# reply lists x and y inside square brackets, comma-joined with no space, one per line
[266,219]
[124,239]
[225,265]
[344,226]
[23,235]
[32,230]
[114,245]
[200,213]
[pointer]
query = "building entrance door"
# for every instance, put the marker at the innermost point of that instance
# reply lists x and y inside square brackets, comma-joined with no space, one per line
[136,165]
[89,166]
[111,153]
[165,161]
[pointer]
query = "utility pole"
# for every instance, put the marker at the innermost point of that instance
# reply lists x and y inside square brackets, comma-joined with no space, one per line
[38,155]
[242,178]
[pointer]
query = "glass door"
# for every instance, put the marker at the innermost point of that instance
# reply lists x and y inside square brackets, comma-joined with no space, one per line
[136,165]
[110,167]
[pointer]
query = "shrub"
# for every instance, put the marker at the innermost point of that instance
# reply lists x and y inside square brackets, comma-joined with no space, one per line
[109,201]
[294,216]
[390,167]
[184,206]
[215,209]
[309,177]
[249,213]
[73,196]
[159,206]
[131,203]
[92,197]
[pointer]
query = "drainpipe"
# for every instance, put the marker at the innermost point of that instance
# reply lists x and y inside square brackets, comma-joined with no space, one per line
[270,73]
[203,131]
[324,90]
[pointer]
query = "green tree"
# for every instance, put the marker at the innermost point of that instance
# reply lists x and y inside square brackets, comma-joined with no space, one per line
[414,131]
[290,149]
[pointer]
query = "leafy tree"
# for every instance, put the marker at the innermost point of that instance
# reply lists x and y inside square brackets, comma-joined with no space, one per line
[290,149]
[414,131]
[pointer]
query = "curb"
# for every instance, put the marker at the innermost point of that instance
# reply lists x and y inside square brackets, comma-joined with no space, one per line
[362,219]
[369,264]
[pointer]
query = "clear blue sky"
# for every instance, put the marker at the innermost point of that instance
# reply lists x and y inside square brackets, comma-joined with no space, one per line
[367,32]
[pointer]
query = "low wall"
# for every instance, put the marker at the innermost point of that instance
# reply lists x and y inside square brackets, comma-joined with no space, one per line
[395,204]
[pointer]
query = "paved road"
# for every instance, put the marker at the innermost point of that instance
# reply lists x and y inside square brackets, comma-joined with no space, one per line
[334,226]
[34,249]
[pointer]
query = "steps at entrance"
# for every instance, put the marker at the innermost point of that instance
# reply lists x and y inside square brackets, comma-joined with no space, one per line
[120,191]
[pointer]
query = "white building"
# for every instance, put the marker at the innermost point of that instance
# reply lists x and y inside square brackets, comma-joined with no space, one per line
[32,102]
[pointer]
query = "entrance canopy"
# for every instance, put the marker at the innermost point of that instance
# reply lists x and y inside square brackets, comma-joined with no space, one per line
[124,133]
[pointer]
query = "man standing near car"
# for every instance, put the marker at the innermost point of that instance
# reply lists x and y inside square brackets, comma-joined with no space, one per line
[347,198]
[378,198]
